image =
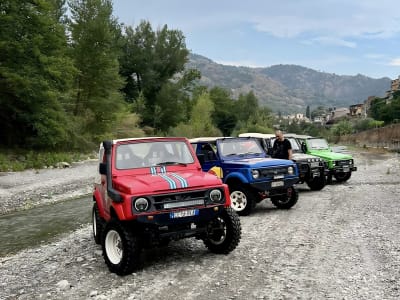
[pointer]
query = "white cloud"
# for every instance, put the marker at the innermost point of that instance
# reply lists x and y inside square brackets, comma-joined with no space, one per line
[284,18]
[331,41]
[395,62]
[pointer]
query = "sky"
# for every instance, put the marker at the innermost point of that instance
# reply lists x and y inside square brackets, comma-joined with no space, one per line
[344,37]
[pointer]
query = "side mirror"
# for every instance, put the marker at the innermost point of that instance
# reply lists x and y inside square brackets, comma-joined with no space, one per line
[103,168]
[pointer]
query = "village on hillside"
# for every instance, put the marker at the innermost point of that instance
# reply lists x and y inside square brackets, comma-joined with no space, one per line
[359,110]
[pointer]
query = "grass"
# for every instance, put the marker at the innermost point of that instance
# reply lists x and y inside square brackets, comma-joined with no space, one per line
[19,160]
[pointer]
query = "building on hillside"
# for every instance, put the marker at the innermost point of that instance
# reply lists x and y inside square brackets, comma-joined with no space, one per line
[296,118]
[336,114]
[394,87]
[356,110]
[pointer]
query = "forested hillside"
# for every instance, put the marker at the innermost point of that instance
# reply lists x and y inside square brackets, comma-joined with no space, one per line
[290,88]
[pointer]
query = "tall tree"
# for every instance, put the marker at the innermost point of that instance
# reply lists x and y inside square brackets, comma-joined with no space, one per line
[308,112]
[95,43]
[35,74]
[149,62]
[246,106]
[224,115]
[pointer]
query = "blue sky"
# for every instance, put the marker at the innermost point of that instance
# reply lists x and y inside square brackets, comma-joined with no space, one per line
[345,37]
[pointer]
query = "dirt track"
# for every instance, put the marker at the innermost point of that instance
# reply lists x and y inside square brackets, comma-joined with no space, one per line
[339,243]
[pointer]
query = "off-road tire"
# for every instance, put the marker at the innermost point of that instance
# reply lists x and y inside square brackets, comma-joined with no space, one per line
[121,250]
[317,183]
[287,200]
[243,199]
[224,232]
[97,224]
[342,176]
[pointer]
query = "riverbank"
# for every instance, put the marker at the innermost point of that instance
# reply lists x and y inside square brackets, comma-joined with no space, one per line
[27,189]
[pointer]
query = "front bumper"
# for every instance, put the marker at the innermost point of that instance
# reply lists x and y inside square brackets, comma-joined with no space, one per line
[336,170]
[274,184]
[165,218]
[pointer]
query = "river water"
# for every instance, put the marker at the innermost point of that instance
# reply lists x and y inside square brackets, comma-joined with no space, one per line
[28,228]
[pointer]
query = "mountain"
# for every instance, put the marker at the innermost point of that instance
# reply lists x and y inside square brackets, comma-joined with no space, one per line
[290,88]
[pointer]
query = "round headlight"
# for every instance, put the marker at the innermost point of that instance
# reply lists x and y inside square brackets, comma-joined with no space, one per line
[290,170]
[215,195]
[141,204]
[255,174]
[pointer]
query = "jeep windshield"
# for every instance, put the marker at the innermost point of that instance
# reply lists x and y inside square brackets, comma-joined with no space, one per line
[240,147]
[317,144]
[148,154]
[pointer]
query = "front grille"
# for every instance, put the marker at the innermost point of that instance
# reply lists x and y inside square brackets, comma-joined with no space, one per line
[316,164]
[274,172]
[170,201]
[343,162]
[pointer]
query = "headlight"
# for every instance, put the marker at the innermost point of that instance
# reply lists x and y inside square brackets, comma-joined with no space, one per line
[141,204]
[290,170]
[351,161]
[255,174]
[215,195]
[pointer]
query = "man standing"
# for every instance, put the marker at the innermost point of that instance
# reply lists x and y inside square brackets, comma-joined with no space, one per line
[282,147]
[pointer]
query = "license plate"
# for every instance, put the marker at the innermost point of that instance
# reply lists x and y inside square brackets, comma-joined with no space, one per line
[276,183]
[316,175]
[346,169]
[314,164]
[184,213]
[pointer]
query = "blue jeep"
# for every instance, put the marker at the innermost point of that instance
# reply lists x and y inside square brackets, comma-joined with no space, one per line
[251,176]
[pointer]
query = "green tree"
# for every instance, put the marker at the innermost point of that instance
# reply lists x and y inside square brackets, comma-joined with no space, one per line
[319,111]
[246,106]
[223,116]
[342,128]
[95,47]
[149,62]
[200,123]
[35,74]
[308,112]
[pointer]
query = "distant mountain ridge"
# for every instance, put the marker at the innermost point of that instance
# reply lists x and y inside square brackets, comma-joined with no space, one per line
[290,88]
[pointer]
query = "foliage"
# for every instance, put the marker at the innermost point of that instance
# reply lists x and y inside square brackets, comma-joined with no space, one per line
[21,159]
[149,61]
[223,116]
[342,128]
[95,40]
[386,110]
[261,121]
[200,123]
[367,123]
[35,74]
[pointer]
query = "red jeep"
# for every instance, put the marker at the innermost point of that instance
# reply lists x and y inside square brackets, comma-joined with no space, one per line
[150,191]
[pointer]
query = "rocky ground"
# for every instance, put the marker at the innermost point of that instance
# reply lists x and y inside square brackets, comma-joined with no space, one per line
[339,243]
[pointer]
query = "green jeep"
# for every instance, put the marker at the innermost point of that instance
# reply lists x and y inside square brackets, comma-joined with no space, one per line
[340,165]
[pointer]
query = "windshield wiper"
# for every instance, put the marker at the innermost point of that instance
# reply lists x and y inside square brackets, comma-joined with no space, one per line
[165,163]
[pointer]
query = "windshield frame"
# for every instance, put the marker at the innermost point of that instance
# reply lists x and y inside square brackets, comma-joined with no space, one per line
[152,153]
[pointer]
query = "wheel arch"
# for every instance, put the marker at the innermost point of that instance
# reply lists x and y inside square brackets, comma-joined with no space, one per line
[235,178]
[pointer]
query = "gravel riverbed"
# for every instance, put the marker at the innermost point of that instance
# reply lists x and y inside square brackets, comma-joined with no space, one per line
[339,243]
